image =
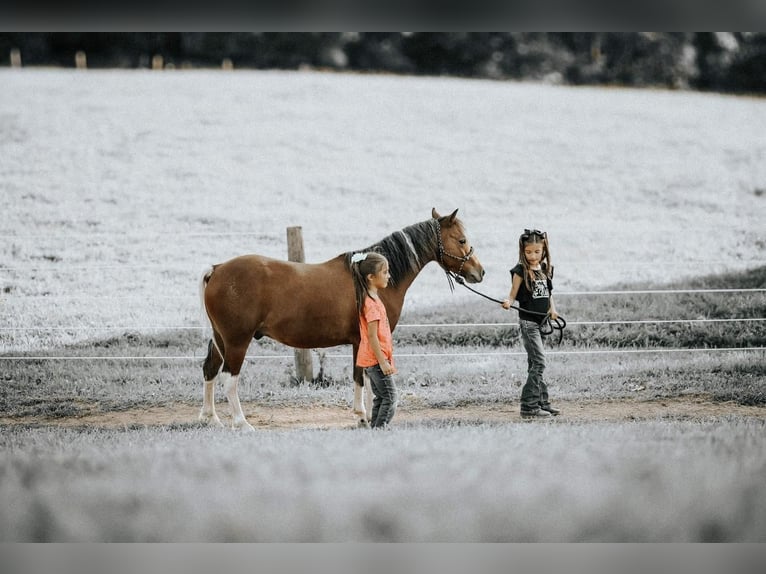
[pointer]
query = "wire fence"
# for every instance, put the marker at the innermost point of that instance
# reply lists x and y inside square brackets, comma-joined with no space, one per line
[141,328]
[345,356]
[348,356]
[84,328]
[75,296]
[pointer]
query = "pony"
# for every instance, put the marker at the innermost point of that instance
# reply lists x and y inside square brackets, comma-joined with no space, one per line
[309,306]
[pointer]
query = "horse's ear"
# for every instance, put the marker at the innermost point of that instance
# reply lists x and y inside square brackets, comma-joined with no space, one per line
[449,219]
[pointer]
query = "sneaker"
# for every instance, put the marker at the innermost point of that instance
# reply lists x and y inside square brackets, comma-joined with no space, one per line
[534,414]
[553,410]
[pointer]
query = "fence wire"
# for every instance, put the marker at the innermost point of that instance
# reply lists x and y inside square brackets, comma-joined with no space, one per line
[200,328]
[334,356]
[141,328]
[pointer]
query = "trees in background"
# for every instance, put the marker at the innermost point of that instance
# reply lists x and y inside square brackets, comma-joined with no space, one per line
[728,62]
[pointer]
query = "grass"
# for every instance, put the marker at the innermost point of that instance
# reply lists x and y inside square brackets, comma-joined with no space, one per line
[52,388]
[115,228]
[624,483]
[114,207]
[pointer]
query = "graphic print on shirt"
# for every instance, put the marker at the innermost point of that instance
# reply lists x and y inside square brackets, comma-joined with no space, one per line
[540,290]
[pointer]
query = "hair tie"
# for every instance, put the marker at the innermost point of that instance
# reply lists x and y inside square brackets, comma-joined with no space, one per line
[357,257]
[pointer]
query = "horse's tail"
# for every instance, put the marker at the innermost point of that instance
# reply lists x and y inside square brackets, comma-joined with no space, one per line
[202,284]
[208,329]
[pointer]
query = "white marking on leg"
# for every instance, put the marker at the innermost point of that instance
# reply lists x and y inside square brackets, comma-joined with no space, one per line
[358,404]
[230,388]
[208,414]
[368,397]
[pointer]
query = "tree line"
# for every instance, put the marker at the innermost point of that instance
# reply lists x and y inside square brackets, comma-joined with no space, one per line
[725,62]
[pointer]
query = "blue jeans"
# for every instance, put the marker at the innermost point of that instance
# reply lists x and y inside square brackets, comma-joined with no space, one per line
[384,403]
[534,394]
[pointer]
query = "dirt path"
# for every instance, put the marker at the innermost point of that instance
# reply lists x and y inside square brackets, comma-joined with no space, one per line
[328,417]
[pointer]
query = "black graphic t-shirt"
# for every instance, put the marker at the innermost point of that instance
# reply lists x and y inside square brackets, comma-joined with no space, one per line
[538,300]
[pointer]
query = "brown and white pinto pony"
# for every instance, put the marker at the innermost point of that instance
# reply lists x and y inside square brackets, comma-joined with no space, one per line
[313,305]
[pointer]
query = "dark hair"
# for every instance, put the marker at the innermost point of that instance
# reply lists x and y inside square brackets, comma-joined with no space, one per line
[527,238]
[362,265]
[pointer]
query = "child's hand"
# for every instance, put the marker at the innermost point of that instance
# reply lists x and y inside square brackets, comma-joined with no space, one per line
[506,303]
[553,315]
[387,369]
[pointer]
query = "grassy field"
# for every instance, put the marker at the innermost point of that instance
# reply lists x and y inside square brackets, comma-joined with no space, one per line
[116,198]
[652,482]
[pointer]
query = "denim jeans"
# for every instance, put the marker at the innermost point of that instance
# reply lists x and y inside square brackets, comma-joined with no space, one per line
[534,394]
[384,403]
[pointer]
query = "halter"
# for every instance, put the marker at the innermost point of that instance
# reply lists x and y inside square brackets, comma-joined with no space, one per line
[442,253]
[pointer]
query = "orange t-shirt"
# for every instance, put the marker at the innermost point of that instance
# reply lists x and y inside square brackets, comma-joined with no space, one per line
[374,310]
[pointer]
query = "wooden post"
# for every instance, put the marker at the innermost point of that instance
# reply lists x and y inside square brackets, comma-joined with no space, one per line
[15,58]
[304,368]
[80,60]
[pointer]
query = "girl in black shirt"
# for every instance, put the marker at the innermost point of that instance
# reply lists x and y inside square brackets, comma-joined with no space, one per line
[532,286]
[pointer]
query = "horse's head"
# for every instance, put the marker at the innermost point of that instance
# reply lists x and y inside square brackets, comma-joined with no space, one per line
[455,251]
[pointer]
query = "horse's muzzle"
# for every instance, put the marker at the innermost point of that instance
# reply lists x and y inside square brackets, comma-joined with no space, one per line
[474,275]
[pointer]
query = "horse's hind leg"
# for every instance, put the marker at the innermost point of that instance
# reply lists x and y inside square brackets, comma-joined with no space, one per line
[361,382]
[210,369]
[235,356]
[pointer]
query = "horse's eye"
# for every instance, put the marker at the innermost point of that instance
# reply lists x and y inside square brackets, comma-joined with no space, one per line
[463,242]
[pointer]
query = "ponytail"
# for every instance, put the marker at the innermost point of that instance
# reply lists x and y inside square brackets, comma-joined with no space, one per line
[362,265]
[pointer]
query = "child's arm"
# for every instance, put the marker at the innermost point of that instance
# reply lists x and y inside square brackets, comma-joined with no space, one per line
[552,310]
[372,333]
[515,285]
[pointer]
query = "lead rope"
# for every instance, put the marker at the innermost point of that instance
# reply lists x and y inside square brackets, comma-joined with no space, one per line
[546,327]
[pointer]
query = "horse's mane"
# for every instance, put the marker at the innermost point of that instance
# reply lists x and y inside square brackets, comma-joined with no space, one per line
[407,250]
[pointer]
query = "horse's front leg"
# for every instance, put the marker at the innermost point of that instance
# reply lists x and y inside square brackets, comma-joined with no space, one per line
[238,420]
[360,381]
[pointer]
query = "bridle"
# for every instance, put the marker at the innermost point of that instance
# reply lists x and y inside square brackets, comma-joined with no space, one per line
[547,326]
[442,253]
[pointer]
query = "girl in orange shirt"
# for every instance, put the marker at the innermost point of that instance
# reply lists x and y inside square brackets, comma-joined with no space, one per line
[375,354]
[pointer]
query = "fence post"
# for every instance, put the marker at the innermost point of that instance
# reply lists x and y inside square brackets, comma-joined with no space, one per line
[80,60]
[304,368]
[15,58]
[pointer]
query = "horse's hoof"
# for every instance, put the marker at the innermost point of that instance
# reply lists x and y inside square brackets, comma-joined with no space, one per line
[213,421]
[364,424]
[243,427]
